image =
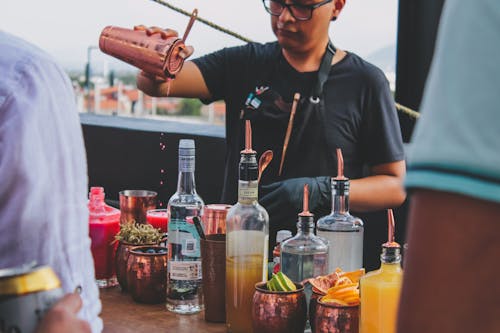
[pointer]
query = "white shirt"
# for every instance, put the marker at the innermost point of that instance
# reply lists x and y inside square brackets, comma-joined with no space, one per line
[43,172]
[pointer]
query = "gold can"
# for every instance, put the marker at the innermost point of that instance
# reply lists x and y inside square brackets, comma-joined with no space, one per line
[26,293]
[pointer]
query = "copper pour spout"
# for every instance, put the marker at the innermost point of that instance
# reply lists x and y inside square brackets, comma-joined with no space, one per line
[305,205]
[340,165]
[296,98]
[248,138]
[194,15]
[390,230]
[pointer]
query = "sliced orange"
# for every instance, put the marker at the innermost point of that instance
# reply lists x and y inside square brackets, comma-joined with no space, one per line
[354,276]
[325,299]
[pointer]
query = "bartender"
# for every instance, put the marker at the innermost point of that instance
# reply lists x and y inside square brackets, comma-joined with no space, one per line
[345,103]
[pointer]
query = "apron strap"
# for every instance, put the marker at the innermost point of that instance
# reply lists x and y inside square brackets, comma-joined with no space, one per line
[324,70]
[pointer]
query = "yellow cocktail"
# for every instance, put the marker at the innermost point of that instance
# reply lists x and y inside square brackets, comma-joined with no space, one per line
[379,299]
[242,273]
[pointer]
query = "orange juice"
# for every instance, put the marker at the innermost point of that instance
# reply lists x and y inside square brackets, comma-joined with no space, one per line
[242,273]
[380,291]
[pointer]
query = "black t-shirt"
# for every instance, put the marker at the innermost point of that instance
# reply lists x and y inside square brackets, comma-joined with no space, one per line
[360,115]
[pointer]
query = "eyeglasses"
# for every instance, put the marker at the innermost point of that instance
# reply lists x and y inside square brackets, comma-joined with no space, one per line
[298,11]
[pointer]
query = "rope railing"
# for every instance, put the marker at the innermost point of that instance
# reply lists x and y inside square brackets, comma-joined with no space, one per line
[403,109]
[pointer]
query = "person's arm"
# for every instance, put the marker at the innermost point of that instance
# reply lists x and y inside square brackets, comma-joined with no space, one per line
[382,190]
[188,83]
[62,317]
[451,265]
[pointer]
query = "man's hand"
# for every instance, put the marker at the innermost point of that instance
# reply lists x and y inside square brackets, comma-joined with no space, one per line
[62,317]
[284,198]
[185,53]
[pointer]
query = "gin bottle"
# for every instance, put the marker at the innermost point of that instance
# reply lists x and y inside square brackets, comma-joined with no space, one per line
[304,255]
[247,226]
[184,288]
[343,231]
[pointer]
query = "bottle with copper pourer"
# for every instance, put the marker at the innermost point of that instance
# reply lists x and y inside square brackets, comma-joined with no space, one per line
[154,53]
[343,231]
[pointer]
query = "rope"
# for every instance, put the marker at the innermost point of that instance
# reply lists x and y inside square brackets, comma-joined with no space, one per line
[406,110]
[204,21]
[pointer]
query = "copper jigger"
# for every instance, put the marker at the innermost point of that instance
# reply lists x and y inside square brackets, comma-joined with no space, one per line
[147,274]
[332,318]
[134,205]
[279,311]
[214,218]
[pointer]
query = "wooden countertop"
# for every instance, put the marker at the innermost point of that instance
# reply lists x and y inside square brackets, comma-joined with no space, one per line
[122,315]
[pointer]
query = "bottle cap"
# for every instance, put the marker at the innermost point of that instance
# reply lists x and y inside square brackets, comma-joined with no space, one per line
[282,235]
[186,147]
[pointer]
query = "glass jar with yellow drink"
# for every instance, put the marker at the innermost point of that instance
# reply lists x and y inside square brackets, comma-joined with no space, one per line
[380,289]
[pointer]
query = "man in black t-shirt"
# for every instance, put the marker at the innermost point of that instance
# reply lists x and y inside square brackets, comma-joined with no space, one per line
[350,108]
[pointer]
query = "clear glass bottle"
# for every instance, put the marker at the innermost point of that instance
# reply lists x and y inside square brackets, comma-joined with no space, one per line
[380,290]
[281,236]
[184,287]
[247,228]
[343,231]
[305,255]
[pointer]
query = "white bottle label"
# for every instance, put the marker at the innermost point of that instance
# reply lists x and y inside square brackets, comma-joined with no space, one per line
[185,270]
[186,163]
[248,192]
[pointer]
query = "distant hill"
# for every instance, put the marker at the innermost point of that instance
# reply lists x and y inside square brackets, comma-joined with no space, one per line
[384,58]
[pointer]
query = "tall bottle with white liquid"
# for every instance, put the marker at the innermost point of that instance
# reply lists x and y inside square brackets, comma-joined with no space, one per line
[184,293]
[343,231]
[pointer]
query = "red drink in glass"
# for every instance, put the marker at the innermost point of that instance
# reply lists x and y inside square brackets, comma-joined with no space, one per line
[158,218]
[104,224]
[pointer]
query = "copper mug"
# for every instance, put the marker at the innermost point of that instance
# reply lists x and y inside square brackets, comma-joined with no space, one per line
[279,311]
[332,318]
[134,205]
[214,218]
[147,274]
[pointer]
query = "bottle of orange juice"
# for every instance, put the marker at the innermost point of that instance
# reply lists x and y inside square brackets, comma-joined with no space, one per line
[380,289]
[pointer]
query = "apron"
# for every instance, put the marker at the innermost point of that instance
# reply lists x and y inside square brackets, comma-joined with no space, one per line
[309,153]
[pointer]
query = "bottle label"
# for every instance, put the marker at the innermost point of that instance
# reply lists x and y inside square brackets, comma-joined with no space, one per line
[186,163]
[248,192]
[183,239]
[185,270]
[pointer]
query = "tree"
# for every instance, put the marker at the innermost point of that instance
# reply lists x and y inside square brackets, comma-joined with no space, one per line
[190,107]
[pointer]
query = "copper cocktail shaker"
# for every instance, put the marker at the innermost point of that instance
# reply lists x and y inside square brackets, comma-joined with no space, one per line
[149,52]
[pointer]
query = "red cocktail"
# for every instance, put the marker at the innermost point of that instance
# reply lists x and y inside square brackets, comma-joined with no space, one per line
[104,224]
[158,218]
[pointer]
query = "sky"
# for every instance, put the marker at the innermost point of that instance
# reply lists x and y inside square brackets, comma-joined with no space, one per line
[65,28]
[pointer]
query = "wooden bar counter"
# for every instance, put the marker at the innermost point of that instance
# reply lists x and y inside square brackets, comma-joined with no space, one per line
[122,315]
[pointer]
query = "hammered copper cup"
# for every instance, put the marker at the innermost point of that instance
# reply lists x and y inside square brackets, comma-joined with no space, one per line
[279,311]
[121,257]
[134,205]
[332,318]
[313,302]
[147,274]
[213,265]
[214,218]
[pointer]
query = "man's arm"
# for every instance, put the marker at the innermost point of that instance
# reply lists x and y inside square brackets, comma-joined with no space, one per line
[451,265]
[382,190]
[188,83]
